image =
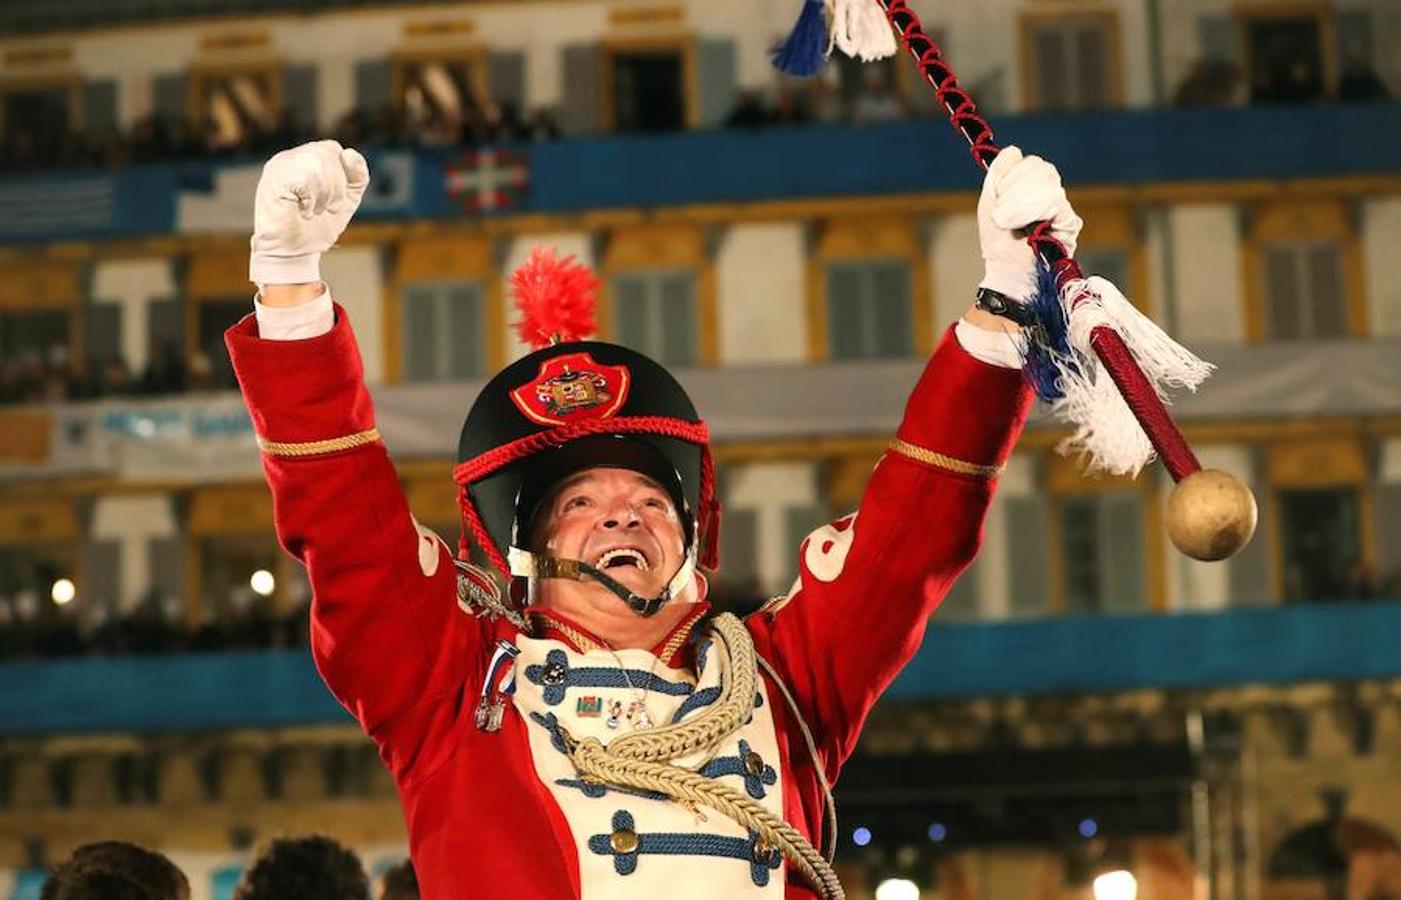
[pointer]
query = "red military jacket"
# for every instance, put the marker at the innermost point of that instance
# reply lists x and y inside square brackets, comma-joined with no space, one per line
[394,646]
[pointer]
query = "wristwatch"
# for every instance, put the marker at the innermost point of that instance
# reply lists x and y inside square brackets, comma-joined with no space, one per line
[1000,304]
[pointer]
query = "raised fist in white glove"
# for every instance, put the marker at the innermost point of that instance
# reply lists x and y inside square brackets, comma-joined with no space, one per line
[1019,191]
[305,198]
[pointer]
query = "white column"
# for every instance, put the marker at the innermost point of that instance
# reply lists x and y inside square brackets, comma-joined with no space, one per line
[957,265]
[565,243]
[133,521]
[1193,585]
[761,284]
[771,489]
[994,569]
[1207,270]
[1381,230]
[133,284]
[356,277]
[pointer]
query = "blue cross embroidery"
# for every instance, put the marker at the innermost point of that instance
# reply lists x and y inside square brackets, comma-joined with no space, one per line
[551,724]
[625,845]
[705,697]
[739,765]
[557,678]
[595,790]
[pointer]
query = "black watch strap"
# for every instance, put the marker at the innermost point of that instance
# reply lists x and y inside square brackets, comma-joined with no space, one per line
[1000,304]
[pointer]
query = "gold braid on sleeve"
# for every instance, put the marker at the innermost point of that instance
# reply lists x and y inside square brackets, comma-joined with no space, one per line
[940,461]
[316,448]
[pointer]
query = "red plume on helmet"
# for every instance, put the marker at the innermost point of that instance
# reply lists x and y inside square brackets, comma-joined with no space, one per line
[556,297]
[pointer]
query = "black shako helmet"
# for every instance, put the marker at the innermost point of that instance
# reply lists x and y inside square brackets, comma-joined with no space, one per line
[571,405]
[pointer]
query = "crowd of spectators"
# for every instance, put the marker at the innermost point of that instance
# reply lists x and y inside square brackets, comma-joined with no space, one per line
[154,139]
[49,377]
[33,627]
[314,867]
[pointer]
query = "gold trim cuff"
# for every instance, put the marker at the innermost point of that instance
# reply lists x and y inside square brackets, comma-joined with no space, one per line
[316,448]
[940,461]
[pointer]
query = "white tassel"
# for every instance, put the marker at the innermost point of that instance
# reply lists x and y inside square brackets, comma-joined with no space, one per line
[1106,430]
[861,30]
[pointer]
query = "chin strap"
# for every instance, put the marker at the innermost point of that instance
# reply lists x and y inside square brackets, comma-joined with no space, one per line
[525,564]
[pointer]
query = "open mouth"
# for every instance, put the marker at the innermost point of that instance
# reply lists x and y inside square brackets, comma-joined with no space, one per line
[622,557]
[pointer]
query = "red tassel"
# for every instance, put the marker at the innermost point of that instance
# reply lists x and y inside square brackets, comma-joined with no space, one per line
[708,522]
[556,297]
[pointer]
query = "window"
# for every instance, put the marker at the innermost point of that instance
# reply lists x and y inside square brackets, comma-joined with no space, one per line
[227,565]
[444,331]
[1072,62]
[36,119]
[655,312]
[441,98]
[870,92]
[649,90]
[1111,263]
[215,317]
[1285,56]
[32,333]
[1322,543]
[1305,297]
[799,522]
[1102,551]
[869,309]
[235,107]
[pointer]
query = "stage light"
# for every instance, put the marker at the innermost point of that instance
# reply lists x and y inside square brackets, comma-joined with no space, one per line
[897,889]
[262,583]
[1118,885]
[937,832]
[63,592]
[1088,828]
[861,836]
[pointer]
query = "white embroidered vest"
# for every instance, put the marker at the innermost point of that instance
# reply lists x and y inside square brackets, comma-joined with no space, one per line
[634,844]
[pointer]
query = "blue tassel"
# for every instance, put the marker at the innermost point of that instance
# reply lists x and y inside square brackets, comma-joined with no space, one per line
[804,52]
[1048,351]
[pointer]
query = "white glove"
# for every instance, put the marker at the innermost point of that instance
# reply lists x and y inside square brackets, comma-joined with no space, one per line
[305,198]
[1019,191]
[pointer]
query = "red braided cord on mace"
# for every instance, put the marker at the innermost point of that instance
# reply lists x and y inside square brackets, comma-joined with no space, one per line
[1108,345]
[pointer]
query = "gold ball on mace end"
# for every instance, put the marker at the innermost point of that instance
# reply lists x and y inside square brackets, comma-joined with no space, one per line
[1211,515]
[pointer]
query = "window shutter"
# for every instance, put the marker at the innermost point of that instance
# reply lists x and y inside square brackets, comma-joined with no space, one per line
[167,566]
[165,326]
[844,299]
[1219,37]
[299,97]
[583,89]
[1326,294]
[961,602]
[1283,305]
[102,332]
[1389,539]
[170,97]
[464,333]
[716,63]
[677,317]
[1052,70]
[420,326]
[102,574]
[1092,86]
[1123,586]
[1029,554]
[739,550]
[372,84]
[1080,549]
[630,313]
[890,308]
[506,81]
[100,106]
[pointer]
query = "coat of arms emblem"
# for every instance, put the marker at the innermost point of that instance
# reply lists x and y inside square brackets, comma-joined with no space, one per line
[570,388]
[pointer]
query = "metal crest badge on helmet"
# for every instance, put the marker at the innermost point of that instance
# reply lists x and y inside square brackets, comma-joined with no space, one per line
[572,388]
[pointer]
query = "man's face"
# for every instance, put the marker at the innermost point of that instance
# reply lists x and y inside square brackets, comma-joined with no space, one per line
[620,521]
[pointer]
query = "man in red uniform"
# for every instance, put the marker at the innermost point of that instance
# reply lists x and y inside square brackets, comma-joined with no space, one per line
[593,730]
